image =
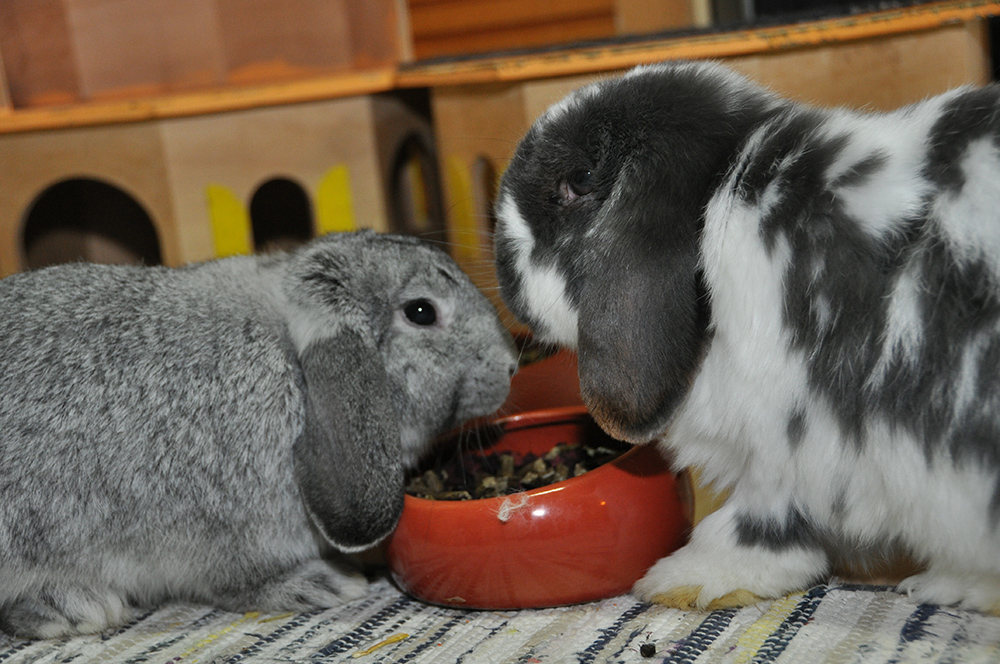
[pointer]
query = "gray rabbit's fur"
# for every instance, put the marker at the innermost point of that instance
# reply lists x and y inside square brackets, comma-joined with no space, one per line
[205,433]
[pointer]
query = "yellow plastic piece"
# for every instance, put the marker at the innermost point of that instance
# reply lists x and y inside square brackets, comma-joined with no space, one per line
[334,205]
[463,215]
[230,222]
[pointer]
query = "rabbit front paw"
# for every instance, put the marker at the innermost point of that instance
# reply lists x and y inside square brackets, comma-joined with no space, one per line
[316,584]
[719,569]
[967,590]
[695,579]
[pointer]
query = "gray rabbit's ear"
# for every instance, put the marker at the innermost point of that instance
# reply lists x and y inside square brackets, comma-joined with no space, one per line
[642,308]
[348,460]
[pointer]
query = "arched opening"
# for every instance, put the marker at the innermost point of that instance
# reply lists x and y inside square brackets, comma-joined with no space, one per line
[82,219]
[415,193]
[280,215]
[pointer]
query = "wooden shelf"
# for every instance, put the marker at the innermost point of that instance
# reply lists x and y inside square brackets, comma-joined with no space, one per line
[197,103]
[593,58]
[621,54]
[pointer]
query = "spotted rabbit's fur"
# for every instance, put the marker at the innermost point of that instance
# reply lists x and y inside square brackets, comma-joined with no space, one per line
[803,302]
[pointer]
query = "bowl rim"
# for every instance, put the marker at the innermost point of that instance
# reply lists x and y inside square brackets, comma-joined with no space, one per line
[524,420]
[540,416]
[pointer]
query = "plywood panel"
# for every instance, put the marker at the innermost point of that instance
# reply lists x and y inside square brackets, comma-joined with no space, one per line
[477,128]
[68,51]
[634,17]
[267,40]
[143,47]
[38,56]
[877,74]
[380,33]
[129,157]
[240,151]
[263,39]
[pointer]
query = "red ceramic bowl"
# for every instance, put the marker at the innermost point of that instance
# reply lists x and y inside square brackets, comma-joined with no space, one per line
[586,538]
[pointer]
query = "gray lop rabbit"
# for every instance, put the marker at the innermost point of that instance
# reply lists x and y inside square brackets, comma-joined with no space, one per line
[205,433]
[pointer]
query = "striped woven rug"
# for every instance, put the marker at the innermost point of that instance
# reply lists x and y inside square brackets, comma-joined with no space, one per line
[829,623]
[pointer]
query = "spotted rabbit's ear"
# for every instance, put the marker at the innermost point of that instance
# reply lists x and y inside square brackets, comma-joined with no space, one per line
[642,310]
[348,460]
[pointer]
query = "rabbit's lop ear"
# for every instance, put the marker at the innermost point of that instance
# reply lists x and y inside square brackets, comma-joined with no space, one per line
[642,310]
[348,460]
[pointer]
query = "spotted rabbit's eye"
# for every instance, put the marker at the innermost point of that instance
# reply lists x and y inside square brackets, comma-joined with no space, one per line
[420,312]
[579,183]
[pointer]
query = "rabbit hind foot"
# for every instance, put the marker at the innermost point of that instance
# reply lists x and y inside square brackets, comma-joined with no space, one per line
[51,613]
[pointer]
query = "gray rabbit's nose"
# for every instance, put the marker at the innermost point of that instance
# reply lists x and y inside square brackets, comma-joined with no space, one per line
[512,369]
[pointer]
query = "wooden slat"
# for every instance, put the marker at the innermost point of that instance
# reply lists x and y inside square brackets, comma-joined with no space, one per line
[461,16]
[546,34]
[5,103]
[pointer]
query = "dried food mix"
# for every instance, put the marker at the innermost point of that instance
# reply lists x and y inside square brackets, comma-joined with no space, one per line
[493,474]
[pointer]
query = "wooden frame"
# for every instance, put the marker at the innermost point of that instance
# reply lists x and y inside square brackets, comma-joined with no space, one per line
[529,66]
[195,176]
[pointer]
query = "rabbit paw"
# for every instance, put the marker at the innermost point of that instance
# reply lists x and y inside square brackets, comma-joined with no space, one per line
[316,584]
[691,597]
[714,571]
[968,590]
[57,613]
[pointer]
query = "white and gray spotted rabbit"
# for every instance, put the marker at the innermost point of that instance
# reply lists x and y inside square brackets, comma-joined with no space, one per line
[203,433]
[803,302]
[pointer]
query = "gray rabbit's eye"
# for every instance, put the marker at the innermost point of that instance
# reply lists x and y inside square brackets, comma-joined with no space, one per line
[420,312]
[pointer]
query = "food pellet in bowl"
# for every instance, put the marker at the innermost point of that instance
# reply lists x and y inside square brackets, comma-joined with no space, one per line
[494,474]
